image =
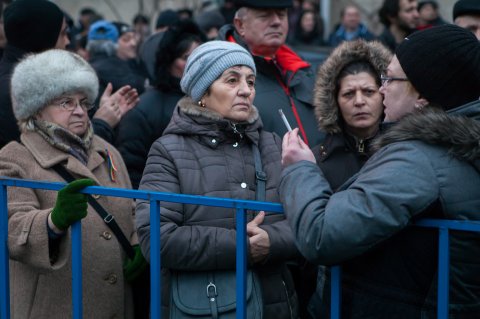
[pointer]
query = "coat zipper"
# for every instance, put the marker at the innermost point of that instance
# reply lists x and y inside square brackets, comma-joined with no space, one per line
[288,299]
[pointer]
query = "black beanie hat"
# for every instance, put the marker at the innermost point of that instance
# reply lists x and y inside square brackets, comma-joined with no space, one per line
[443,64]
[32,25]
[463,7]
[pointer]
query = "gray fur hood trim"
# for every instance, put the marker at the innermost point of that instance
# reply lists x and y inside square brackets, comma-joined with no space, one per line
[324,99]
[188,106]
[461,135]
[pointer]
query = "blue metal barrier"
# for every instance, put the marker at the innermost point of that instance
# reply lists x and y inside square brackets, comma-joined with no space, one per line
[239,205]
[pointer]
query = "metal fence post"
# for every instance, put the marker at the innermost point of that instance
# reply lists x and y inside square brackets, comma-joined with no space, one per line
[4,272]
[155,262]
[241,264]
[443,273]
[77,270]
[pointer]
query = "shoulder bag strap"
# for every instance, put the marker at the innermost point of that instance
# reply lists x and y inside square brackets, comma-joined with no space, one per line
[260,175]
[107,218]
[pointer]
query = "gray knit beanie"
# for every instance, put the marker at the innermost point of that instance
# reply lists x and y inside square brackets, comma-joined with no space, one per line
[208,61]
[40,78]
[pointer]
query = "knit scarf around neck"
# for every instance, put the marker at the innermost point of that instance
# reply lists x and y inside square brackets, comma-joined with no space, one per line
[65,140]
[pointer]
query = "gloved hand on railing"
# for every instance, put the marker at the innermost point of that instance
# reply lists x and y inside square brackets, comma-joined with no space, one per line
[71,206]
[132,268]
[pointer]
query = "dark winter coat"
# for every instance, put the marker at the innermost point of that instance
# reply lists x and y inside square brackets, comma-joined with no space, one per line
[8,123]
[427,167]
[39,287]
[141,126]
[342,155]
[112,69]
[200,153]
[284,83]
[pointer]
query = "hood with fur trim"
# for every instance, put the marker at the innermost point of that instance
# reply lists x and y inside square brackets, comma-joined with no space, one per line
[324,99]
[459,134]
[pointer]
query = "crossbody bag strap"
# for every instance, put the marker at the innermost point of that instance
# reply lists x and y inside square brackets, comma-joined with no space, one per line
[260,175]
[107,218]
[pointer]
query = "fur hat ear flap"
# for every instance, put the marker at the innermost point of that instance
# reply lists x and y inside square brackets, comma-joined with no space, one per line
[40,78]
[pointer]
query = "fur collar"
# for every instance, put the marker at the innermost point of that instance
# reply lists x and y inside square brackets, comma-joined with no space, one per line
[460,134]
[188,106]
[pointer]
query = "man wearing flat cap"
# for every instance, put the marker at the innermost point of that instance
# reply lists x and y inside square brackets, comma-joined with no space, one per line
[284,80]
[466,14]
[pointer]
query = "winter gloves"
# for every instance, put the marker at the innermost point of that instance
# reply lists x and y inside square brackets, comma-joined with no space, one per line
[132,268]
[71,206]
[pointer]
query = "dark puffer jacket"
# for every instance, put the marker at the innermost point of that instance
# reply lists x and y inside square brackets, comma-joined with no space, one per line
[342,155]
[202,154]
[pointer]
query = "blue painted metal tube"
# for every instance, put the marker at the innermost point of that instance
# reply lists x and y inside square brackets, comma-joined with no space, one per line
[241,263]
[155,261]
[336,298]
[77,270]
[4,271]
[443,273]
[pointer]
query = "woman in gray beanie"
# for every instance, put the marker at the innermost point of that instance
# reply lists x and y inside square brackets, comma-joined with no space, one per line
[427,166]
[208,149]
[51,93]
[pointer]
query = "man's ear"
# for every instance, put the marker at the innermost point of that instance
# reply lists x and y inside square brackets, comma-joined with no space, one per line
[422,102]
[239,26]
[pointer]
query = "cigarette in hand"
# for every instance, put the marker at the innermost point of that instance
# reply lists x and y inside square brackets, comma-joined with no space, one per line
[285,121]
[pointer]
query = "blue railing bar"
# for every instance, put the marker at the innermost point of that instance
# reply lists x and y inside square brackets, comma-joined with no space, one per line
[443,273]
[450,224]
[241,263]
[77,270]
[155,261]
[4,271]
[149,195]
[336,298]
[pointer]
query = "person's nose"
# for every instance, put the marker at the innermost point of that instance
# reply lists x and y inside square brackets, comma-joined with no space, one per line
[359,99]
[79,109]
[244,90]
[276,19]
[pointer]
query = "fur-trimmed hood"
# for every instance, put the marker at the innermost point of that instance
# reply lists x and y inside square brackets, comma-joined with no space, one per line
[460,134]
[190,119]
[324,99]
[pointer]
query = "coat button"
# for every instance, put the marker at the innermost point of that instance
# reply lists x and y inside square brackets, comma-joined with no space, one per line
[324,154]
[107,235]
[236,144]
[112,279]
[322,148]
[214,141]
[96,196]
[243,185]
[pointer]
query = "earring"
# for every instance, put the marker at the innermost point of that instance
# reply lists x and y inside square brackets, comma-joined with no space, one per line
[201,104]
[418,106]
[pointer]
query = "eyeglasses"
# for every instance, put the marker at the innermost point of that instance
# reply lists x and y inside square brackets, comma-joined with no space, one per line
[69,104]
[386,80]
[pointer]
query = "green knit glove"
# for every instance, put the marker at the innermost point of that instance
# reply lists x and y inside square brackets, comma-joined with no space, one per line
[71,206]
[132,268]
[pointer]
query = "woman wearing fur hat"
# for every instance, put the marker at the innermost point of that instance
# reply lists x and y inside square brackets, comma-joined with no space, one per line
[51,93]
[427,166]
[349,107]
[208,149]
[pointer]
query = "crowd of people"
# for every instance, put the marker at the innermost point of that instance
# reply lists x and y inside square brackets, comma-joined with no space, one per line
[385,132]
